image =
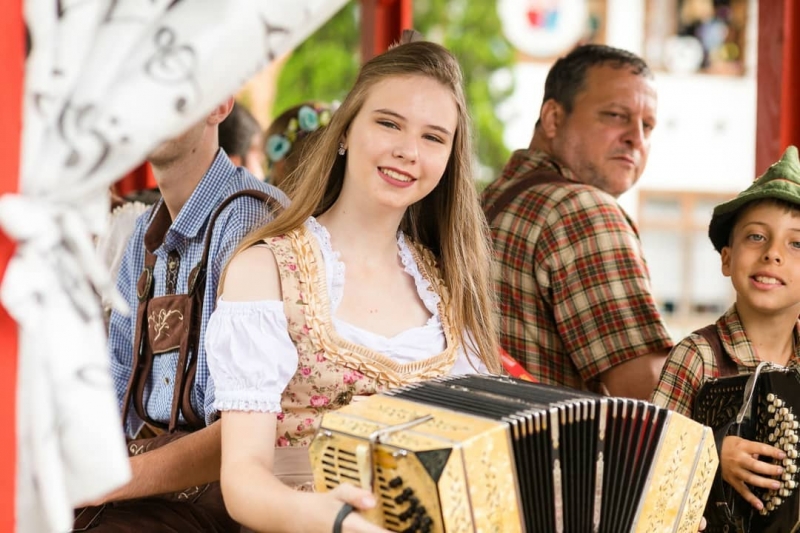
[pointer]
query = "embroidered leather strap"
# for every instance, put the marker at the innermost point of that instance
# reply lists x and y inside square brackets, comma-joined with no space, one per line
[142,363]
[186,369]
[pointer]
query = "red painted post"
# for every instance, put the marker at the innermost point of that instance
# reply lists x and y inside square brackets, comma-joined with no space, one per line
[778,76]
[790,123]
[382,23]
[138,179]
[12,57]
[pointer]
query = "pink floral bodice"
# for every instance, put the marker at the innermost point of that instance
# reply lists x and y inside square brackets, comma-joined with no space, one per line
[331,370]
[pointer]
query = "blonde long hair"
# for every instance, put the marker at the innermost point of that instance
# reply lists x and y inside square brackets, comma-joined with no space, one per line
[448,221]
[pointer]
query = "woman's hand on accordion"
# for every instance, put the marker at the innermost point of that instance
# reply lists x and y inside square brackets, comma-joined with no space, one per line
[740,466]
[359,499]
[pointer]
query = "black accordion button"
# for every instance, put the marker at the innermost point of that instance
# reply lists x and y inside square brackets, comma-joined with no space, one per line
[404,496]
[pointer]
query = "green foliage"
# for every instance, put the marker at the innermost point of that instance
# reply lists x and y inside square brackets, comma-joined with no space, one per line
[325,66]
[471,30]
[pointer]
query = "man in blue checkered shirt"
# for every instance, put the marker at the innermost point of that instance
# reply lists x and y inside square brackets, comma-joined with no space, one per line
[194,176]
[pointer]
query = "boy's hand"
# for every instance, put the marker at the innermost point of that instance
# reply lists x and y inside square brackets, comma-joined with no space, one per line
[739,463]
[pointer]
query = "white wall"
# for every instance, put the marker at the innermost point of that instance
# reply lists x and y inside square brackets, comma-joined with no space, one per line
[705,137]
[704,141]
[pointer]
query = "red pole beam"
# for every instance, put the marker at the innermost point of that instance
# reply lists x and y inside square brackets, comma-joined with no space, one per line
[778,76]
[790,123]
[382,23]
[12,57]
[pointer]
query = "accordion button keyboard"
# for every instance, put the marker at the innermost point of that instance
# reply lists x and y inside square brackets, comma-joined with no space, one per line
[406,515]
[403,496]
[783,434]
[395,482]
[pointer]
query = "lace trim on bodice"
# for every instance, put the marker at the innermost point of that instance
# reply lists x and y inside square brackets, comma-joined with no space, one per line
[334,269]
[316,320]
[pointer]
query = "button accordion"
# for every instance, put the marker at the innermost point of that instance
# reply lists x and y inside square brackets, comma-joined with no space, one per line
[758,407]
[488,453]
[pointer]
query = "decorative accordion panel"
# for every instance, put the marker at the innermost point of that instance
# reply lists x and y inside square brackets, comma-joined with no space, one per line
[763,407]
[495,454]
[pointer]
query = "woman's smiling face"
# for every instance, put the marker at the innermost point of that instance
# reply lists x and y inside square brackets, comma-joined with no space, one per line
[399,143]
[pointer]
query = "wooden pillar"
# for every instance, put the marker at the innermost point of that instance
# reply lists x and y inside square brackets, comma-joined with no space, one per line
[778,78]
[382,22]
[12,57]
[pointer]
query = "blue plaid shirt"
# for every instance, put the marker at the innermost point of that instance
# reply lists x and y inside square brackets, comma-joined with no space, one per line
[186,235]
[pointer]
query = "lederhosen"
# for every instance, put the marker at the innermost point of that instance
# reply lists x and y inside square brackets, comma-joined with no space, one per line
[164,324]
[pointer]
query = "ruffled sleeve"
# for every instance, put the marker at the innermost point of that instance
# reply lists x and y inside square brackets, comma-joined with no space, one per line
[250,355]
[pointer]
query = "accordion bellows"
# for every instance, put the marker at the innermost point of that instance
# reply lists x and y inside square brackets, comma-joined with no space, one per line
[486,453]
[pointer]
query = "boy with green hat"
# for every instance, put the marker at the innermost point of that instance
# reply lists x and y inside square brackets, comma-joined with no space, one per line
[758,237]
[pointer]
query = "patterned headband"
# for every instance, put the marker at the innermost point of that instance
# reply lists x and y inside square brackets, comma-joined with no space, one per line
[309,119]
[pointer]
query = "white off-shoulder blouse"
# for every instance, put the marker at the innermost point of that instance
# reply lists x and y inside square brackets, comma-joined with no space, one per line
[252,357]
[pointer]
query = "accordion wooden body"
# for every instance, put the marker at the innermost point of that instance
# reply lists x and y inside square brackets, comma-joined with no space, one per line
[763,407]
[495,454]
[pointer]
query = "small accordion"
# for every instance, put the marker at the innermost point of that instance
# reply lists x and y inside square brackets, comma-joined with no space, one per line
[761,407]
[490,453]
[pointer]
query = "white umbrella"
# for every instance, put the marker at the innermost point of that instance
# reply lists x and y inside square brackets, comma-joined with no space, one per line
[105,82]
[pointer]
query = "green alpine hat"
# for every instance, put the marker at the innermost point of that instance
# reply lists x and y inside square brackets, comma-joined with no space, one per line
[781,181]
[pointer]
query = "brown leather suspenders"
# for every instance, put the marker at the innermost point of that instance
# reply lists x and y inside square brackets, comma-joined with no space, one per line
[535,177]
[726,365]
[170,322]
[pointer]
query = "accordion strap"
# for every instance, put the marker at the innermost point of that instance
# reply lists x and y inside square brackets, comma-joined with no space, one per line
[535,177]
[719,507]
[726,365]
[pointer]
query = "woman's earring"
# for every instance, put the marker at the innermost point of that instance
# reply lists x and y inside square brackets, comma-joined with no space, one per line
[342,149]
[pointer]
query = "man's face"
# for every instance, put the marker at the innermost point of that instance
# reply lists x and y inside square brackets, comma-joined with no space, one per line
[605,140]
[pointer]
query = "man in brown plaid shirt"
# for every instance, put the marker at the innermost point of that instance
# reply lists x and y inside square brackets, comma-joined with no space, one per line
[574,289]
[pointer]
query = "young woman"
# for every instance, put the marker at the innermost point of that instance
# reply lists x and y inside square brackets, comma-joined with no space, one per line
[377,275]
